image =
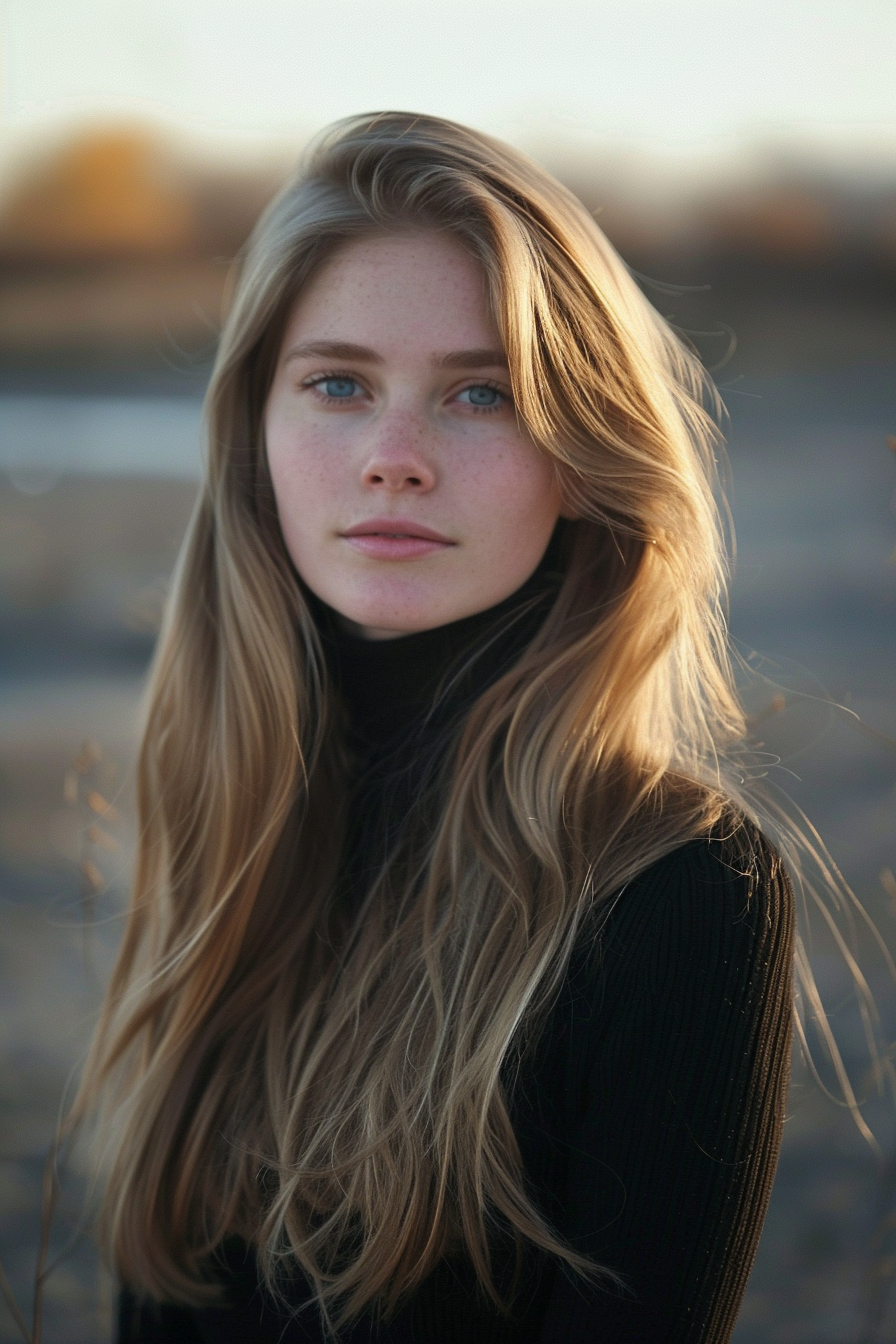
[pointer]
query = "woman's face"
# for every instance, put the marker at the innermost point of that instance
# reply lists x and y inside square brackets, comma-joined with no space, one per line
[408,493]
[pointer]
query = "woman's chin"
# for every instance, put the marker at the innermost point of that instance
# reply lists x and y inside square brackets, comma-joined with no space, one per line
[385,616]
[386,625]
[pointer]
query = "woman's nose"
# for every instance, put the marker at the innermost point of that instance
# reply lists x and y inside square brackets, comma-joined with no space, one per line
[399,458]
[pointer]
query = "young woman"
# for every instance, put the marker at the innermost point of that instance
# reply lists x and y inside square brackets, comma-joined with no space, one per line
[455,999]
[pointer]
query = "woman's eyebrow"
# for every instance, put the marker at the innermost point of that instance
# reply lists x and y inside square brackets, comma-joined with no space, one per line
[362,354]
[473,359]
[334,350]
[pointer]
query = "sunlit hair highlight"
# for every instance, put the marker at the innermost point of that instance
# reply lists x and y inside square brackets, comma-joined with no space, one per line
[328,1085]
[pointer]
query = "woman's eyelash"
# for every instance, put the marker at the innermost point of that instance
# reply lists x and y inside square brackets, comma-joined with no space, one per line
[335,377]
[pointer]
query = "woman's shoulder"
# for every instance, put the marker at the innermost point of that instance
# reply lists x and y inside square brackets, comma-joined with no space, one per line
[694,955]
[732,872]
[722,900]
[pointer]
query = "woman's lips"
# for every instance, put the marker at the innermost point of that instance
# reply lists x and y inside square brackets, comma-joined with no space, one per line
[390,539]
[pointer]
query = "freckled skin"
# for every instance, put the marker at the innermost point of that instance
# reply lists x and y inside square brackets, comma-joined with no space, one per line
[396,434]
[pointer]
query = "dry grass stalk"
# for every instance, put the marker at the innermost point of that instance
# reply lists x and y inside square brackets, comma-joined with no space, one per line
[49,1200]
[81,791]
[14,1309]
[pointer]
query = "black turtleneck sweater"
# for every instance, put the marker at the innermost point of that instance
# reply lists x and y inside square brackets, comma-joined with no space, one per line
[649,1111]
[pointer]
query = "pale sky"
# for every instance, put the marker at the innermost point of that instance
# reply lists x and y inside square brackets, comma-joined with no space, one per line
[676,75]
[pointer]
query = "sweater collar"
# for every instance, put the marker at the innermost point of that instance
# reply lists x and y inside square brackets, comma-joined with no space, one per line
[393,688]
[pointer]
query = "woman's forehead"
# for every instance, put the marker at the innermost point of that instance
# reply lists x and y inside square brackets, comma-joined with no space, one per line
[420,289]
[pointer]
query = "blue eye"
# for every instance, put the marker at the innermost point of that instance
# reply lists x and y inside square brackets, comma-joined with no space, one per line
[341,388]
[482,395]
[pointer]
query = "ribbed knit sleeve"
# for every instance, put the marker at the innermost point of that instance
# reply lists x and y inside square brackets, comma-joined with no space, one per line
[675,1084]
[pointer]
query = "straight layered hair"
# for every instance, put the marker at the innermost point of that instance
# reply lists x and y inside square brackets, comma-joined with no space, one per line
[329,1085]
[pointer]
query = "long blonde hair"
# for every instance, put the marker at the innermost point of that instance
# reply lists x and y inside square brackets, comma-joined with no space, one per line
[330,1087]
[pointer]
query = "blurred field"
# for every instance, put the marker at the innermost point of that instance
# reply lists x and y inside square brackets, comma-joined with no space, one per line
[104,353]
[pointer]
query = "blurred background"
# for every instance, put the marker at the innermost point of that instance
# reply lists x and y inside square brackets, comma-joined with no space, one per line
[742,157]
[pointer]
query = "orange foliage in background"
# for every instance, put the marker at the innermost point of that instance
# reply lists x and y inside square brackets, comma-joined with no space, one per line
[115,191]
[117,241]
[130,193]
